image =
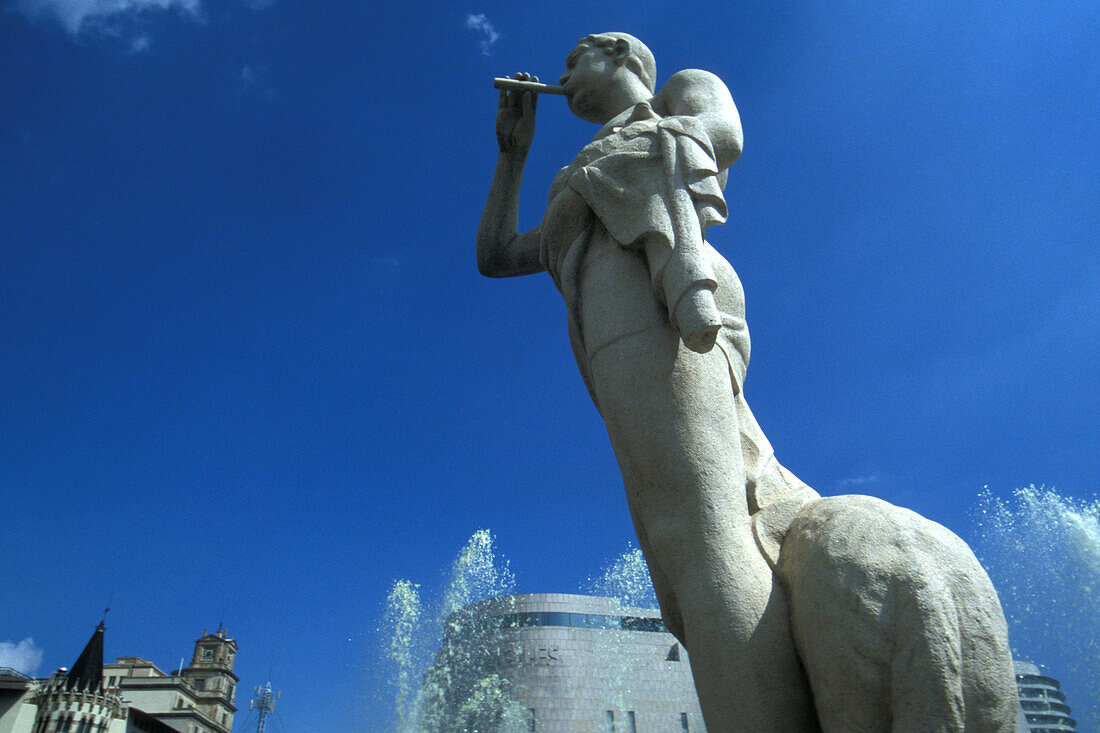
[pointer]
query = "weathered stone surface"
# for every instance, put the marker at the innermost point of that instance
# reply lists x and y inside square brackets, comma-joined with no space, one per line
[895,621]
[759,578]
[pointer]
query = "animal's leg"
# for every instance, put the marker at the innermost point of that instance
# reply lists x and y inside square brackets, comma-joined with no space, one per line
[895,621]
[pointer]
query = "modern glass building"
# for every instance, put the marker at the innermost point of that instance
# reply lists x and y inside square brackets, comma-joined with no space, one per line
[1042,701]
[558,663]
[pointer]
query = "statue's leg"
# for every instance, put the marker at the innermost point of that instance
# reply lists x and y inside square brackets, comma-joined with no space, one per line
[672,420]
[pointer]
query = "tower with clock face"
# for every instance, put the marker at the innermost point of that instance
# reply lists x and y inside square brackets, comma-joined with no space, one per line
[211,676]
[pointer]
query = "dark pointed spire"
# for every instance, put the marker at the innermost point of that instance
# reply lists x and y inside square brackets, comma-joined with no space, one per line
[87,671]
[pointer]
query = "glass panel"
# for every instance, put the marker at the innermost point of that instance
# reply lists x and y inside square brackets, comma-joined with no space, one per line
[602,622]
[557,619]
[635,623]
[578,620]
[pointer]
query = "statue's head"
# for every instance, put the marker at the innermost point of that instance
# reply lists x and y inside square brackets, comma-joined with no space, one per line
[605,72]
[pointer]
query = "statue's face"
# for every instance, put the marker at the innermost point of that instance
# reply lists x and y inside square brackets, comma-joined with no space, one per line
[589,71]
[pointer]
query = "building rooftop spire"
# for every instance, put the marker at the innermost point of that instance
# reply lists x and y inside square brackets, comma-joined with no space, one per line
[87,670]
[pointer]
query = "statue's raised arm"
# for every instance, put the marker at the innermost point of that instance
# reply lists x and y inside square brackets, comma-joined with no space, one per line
[503,251]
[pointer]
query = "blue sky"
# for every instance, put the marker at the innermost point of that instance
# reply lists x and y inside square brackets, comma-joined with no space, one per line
[249,371]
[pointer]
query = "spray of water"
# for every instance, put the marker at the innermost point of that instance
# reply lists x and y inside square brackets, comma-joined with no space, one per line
[435,657]
[477,574]
[447,698]
[402,623]
[1042,551]
[626,579]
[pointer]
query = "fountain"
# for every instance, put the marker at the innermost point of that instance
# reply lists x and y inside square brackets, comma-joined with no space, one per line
[1042,551]
[435,685]
[412,634]
[626,579]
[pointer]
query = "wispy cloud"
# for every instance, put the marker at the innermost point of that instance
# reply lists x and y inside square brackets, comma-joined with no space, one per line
[139,44]
[856,481]
[481,25]
[252,79]
[113,17]
[385,262]
[24,656]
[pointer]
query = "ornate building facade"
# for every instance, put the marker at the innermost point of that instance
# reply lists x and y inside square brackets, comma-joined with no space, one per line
[130,695]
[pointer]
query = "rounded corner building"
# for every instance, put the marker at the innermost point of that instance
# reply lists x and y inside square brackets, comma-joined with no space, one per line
[1042,701]
[559,663]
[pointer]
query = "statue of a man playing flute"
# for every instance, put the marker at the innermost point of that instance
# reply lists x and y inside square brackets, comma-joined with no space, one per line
[657,324]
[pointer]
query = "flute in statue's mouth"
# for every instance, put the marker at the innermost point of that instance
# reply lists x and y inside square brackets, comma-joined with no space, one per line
[526,86]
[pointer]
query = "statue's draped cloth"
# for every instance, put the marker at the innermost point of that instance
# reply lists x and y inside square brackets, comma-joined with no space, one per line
[653,184]
[654,187]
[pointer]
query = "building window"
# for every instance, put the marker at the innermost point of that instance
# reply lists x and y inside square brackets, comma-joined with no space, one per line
[610,721]
[575,620]
[199,683]
[630,726]
[684,722]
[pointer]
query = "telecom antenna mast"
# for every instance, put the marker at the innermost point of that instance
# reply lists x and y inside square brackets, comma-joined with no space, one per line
[264,704]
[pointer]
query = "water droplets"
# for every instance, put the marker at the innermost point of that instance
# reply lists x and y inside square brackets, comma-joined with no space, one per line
[1042,551]
[438,677]
[626,579]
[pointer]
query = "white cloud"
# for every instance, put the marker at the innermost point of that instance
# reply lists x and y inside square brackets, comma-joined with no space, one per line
[24,656]
[105,15]
[489,33]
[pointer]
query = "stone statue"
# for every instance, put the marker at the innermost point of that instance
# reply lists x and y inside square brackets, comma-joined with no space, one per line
[800,613]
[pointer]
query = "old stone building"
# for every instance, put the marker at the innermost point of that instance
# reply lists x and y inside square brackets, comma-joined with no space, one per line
[130,695]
